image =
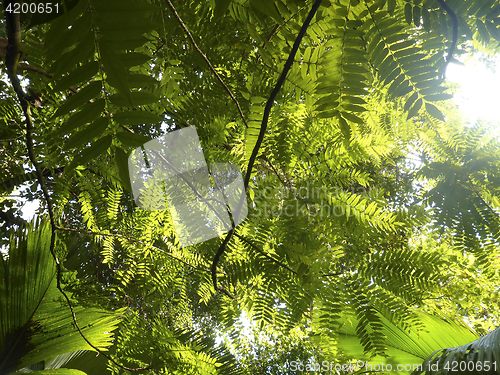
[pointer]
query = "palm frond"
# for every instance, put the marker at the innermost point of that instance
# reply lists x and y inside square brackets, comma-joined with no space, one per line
[36,322]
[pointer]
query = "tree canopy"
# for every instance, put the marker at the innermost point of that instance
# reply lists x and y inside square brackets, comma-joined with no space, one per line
[373,228]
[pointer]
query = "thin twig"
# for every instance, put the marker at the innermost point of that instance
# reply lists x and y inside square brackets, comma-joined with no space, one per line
[216,262]
[274,170]
[183,25]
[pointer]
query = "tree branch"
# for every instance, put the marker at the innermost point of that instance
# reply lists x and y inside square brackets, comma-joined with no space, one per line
[36,69]
[263,128]
[274,93]
[183,25]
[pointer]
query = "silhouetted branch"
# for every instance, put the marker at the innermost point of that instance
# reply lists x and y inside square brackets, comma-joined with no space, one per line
[263,128]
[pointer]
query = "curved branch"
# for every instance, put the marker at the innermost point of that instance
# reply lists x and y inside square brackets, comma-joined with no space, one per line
[274,93]
[263,128]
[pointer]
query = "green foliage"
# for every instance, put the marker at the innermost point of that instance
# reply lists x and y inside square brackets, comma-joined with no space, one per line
[337,208]
[36,322]
[404,347]
[461,360]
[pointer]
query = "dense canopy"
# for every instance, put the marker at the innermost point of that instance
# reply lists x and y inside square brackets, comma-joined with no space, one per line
[372,225]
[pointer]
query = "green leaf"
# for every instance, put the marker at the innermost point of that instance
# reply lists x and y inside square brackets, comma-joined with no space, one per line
[116,75]
[138,98]
[123,171]
[426,18]
[344,128]
[410,101]
[80,53]
[403,89]
[131,59]
[353,100]
[392,76]
[125,44]
[408,13]
[416,16]
[355,68]
[72,36]
[88,134]
[141,80]
[132,139]
[89,92]
[36,322]
[88,113]
[352,117]
[463,27]
[380,53]
[81,74]
[414,110]
[483,32]
[433,90]
[391,6]
[98,147]
[267,7]
[402,44]
[59,27]
[353,107]
[220,8]
[395,84]
[475,355]
[136,118]
[125,20]
[404,346]
[303,269]
[438,97]
[493,30]
[434,112]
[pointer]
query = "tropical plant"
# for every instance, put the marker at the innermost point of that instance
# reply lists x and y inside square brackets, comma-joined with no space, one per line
[36,324]
[323,105]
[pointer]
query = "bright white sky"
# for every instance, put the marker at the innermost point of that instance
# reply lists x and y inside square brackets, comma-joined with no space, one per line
[480,94]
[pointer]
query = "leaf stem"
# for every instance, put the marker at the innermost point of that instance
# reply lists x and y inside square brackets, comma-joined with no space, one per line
[190,36]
